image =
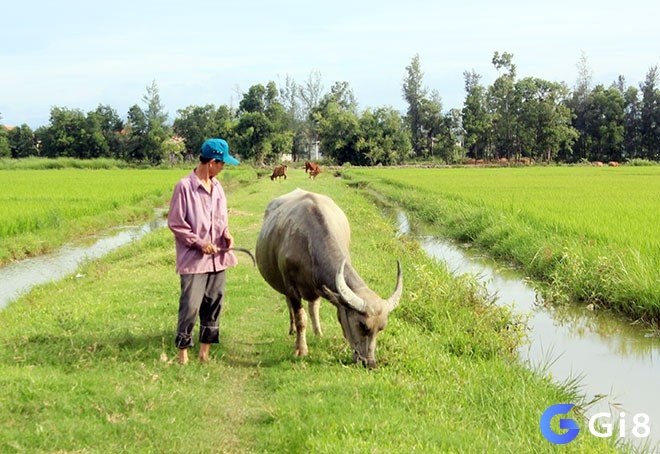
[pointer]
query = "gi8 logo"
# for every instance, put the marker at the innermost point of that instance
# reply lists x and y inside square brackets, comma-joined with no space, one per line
[641,428]
[564,423]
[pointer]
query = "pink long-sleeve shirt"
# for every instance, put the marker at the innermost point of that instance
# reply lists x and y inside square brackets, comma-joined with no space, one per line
[196,218]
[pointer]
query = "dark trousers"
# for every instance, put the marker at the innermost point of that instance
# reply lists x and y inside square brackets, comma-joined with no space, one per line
[201,295]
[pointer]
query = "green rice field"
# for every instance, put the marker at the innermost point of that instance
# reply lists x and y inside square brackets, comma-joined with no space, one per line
[593,233]
[42,209]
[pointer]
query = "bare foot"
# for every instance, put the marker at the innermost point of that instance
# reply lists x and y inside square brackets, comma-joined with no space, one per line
[183,356]
[204,352]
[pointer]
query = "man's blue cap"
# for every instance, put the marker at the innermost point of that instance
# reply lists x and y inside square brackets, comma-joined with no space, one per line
[218,149]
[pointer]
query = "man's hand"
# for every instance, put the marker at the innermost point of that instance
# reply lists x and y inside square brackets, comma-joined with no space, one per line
[230,240]
[209,248]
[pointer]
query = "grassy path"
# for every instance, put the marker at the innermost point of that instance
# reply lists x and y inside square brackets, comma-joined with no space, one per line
[86,364]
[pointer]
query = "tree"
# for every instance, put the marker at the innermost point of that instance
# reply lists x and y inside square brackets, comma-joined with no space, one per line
[174,148]
[449,142]
[383,137]
[72,133]
[504,104]
[110,121]
[5,152]
[21,142]
[253,130]
[148,128]
[342,95]
[544,121]
[604,124]
[155,114]
[195,124]
[263,125]
[577,104]
[632,118]
[414,94]
[432,122]
[254,100]
[650,116]
[297,120]
[309,95]
[66,136]
[476,118]
[158,131]
[94,140]
[282,137]
[339,132]
[336,114]
[111,126]
[137,127]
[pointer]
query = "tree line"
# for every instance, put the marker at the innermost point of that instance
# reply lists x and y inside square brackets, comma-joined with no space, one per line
[512,119]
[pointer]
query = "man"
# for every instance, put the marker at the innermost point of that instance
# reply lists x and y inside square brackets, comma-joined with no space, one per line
[199,220]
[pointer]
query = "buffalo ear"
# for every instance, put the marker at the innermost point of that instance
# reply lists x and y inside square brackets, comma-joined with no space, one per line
[330,295]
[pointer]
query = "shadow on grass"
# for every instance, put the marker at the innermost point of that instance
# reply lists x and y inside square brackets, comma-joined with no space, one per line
[75,351]
[272,352]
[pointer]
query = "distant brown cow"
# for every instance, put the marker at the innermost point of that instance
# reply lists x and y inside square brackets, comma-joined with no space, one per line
[313,168]
[613,164]
[597,164]
[279,171]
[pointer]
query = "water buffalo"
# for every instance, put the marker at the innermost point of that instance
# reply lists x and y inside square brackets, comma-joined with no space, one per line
[303,253]
[279,171]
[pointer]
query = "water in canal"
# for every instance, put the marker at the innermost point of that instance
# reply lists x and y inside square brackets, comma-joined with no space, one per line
[612,358]
[19,277]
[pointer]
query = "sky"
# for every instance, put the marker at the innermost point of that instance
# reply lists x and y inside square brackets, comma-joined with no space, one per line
[78,54]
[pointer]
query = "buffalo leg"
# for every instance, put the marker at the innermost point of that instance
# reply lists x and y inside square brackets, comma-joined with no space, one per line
[300,322]
[292,322]
[314,314]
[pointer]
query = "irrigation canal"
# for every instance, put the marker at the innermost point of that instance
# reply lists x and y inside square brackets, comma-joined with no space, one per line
[19,277]
[610,357]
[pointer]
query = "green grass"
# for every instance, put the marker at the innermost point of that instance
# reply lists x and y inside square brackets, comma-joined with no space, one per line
[86,364]
[592,233]
[34,163]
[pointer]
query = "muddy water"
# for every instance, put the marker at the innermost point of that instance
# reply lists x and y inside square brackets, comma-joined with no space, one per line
[612,358]
[18,278]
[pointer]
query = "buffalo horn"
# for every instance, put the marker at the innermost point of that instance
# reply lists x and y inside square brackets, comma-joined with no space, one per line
[393,301]
[349,297]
